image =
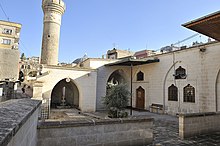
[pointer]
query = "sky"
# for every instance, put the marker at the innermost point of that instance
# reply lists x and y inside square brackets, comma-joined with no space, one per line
[94,26]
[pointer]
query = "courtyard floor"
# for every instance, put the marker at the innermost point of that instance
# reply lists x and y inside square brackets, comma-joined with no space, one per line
[165,128]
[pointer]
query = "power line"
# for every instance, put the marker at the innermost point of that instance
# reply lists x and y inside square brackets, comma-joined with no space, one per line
[21,42]
[192,36]
[4,12]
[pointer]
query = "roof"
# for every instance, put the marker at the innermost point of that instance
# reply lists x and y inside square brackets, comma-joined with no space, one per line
[132,61]
[9,23]
[208,25]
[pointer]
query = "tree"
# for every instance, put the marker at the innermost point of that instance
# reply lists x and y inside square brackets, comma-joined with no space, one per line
[116,101]
[23,56]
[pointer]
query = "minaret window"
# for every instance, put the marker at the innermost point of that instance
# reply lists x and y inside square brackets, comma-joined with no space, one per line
[173,93]
[180,73]
[189,93]
[140,76]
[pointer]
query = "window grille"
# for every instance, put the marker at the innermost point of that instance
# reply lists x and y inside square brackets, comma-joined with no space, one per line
[173,93]
[140,76]
[189,93]
[180,73]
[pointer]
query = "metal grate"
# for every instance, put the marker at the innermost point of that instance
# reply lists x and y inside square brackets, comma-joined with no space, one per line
[45,109]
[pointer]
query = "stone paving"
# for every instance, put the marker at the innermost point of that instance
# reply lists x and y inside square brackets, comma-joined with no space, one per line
[166,133]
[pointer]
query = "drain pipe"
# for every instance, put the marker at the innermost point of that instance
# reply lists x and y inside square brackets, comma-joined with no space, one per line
[164,84]
[216,92]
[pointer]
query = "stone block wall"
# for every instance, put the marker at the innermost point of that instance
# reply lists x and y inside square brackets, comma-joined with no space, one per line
[9,63]
[18,122]
[126,132]
[198,123]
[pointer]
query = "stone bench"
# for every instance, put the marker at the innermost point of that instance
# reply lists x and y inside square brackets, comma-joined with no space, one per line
[156,108]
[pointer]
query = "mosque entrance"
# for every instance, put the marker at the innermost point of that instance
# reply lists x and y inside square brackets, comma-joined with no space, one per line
[65,94]
[140,95]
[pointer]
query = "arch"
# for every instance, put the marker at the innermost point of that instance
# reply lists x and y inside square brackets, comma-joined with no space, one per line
[189,93]
[65,94]
[217,91]
[140,98]
[180,73]
[140,76]
[172,93]
[117,77]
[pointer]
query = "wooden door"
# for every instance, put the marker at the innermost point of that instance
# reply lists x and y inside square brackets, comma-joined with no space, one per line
[140,98]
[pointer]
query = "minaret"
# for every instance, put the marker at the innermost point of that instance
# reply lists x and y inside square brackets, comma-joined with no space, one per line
[53,11]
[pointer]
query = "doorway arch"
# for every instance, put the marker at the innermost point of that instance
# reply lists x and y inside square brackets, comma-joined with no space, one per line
[65,94]
[140,98]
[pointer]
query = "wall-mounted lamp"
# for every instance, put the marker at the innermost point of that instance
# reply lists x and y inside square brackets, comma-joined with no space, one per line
[67,79]
[202,49]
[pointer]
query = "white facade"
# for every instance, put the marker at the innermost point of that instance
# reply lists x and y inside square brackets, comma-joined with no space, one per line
[202,72]
[85,81]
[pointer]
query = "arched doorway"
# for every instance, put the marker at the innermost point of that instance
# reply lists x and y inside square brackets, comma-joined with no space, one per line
[117,77]
[65,94]
[140,98]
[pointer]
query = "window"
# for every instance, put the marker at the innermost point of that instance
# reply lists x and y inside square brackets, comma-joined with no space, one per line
[180,73]
[173,93]
[189,93]
[7,31]
[140,76]
[6,42]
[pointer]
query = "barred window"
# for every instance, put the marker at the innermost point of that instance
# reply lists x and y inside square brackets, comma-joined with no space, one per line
[7,31]
[189,93]
[6,41]
[180,73]
[140,76]
[173,93]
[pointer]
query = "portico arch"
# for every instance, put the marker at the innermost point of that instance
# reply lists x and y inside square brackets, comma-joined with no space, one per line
[217,92]
[65,94]
[117,77]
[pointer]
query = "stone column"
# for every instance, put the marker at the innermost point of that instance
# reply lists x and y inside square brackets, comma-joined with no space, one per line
[53,11]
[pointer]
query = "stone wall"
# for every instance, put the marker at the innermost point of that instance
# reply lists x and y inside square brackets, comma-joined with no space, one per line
[198,123]
[122,132]
[9,63]
[18,122]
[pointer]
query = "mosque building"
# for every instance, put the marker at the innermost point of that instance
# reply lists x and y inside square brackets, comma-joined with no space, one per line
[184,80]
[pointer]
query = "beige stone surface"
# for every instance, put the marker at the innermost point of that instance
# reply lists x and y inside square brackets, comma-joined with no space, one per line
[192,125]
[53,11]
[85,81]
[9,64]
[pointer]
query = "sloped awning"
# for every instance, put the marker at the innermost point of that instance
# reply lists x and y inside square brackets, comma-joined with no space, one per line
[133,62]
[208,25]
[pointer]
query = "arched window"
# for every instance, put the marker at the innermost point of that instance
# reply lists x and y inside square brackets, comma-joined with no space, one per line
[189,93]
[173,93]
[140,76]
[180,73]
